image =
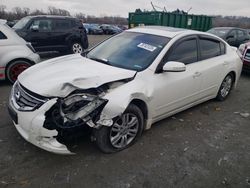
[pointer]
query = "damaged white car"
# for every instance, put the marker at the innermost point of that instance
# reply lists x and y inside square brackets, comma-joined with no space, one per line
[121,86]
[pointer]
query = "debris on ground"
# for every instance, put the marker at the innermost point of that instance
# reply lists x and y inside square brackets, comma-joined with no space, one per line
[248,181]
[181,120]
[7,182]
[245,115]
[217,109]
[24,183]
[185,149]
[225,181]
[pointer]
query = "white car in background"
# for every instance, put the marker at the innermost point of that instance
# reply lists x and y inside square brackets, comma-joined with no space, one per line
[16,54]
[121,87]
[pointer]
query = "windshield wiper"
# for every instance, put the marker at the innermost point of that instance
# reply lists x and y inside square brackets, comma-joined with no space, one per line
[105,61]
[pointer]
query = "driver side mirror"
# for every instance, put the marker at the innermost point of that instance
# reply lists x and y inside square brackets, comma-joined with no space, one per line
[34,28]
[173,66]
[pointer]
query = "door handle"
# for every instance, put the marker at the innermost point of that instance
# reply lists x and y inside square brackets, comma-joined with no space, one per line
[196,74]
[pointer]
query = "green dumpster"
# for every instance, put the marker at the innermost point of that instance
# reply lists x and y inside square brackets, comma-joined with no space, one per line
[187,21]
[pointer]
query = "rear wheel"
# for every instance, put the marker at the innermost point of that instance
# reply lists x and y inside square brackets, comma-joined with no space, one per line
[76,48]
[225,88]
[15,68]
[123,133]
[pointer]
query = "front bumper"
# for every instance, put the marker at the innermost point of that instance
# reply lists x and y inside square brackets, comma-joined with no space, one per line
[30,127]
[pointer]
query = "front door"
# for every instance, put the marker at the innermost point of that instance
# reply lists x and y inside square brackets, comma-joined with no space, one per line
[41,38]
[175,90]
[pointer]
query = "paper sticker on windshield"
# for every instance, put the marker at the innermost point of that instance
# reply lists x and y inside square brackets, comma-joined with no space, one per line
[147,47]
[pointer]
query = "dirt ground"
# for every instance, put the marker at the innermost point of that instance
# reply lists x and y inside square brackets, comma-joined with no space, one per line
[205,146]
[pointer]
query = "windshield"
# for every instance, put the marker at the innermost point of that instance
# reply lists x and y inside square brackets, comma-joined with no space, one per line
[129,50]
[219,32]
[21,23]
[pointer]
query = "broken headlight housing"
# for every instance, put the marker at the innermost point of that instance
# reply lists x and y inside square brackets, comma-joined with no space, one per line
[74,111]
[80,106]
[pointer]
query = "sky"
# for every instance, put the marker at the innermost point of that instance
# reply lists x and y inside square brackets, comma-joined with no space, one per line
[122,7]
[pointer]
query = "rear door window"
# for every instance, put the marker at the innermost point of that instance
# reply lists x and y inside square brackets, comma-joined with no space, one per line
[210,48]
[62,24]
[185,52]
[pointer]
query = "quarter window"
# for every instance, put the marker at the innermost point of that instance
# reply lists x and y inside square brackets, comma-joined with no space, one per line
[2,36]
[185,52]
[209,48]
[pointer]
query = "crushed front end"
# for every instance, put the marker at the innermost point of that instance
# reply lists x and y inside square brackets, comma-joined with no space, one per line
[48,122]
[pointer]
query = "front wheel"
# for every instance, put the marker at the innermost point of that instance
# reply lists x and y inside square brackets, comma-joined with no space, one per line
[76,48]
[15,68]
[225,88]
[124,132]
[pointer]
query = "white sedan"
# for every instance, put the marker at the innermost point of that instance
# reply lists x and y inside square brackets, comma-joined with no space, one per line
[16,54]
[121,87]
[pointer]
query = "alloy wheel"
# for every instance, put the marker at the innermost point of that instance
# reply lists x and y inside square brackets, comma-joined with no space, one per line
[124,130]
[226,86]
[77,48]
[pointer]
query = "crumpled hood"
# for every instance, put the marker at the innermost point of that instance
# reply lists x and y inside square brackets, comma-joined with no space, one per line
[60,76]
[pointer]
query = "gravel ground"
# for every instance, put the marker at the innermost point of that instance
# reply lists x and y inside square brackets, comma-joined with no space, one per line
[205,146]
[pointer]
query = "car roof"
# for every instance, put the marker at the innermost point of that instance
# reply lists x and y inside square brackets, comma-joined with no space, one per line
[227,28]
[51,16]
[169,32]
[12,37]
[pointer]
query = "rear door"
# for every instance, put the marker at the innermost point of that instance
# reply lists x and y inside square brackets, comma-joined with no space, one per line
[213,65]
[62,30]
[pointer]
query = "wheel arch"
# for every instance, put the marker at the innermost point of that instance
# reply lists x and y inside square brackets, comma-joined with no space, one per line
[143,107]
[16,59]
[19,59]
[233,73]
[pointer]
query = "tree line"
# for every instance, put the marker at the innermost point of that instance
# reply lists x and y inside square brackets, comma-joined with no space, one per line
[17,13]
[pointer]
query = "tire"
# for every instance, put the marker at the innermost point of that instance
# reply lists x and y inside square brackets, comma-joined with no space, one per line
[15,68]
[112,139]
[225,88]
[76,48]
